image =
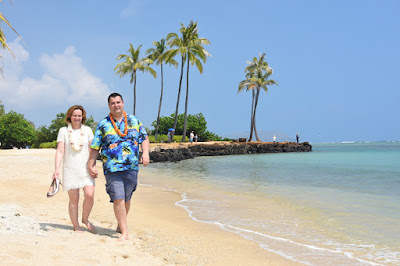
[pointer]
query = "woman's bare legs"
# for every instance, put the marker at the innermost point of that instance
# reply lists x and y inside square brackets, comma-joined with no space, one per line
[87,206]
[73,208]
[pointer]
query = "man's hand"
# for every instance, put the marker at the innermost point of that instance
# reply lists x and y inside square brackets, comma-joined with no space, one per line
[145,159]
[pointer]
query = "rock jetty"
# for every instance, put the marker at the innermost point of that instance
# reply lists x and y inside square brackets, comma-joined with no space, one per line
[177,153]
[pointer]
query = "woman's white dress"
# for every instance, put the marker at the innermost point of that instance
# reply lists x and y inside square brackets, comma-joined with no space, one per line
[75,171]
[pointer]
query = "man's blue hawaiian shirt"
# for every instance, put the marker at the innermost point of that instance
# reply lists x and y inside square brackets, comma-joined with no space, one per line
[119,153]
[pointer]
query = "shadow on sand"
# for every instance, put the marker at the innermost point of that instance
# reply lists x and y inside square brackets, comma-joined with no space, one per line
[97,231]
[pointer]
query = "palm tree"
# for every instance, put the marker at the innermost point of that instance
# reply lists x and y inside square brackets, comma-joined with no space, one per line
[157,54]
[191,49]
[3,40]
[131,65]
[257,78]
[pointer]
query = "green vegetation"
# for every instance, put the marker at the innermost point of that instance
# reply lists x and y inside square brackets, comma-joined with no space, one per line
[257,78]
[196,123]
[2,111]
[16,131]
[48,145]
[164,138]
[131,65]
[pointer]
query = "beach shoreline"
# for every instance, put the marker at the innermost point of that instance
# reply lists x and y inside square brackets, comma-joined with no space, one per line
[35,229]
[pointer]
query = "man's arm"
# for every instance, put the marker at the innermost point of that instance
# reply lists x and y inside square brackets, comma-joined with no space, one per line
[145,150]
[92,162]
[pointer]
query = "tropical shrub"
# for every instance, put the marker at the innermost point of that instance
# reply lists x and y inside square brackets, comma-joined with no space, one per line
[48,145]
[16,131]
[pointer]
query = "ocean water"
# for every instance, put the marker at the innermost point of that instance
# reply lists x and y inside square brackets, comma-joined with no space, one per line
[338,205]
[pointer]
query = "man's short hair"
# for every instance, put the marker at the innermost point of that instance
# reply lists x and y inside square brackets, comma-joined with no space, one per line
[113,95]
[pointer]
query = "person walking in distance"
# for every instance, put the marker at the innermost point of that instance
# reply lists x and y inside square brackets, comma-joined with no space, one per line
[118,136]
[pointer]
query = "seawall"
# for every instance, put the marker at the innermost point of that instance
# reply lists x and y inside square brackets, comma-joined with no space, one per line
[177,153]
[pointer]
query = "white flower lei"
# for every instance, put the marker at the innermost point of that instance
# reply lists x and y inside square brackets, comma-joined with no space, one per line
[75,144]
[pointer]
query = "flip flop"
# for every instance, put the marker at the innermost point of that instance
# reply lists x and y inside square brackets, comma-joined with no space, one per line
[54,187]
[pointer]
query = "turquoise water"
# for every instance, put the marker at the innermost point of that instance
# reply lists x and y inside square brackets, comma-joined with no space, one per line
[336,205]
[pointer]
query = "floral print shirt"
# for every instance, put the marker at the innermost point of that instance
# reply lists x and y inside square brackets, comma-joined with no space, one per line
[119,153]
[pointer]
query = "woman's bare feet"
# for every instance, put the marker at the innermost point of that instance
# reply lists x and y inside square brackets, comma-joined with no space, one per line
[78,229]
[89,225]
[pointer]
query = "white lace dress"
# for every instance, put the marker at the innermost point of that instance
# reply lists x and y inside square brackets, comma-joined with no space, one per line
[75,171]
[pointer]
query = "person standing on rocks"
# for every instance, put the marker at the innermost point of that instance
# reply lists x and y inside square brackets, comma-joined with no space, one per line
[118,136]
[297,138]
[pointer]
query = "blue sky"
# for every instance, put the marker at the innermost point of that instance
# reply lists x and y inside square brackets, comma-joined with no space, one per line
[336,63]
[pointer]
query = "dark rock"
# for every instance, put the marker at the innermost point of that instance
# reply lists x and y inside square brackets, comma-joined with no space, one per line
[232,148]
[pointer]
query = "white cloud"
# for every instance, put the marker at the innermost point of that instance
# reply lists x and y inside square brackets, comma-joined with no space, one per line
[65,81]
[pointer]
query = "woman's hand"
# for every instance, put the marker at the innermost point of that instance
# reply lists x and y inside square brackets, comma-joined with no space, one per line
[93,171]
[56,174]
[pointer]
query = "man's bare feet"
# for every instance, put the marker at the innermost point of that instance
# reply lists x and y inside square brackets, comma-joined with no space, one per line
[123,237]
[89,225]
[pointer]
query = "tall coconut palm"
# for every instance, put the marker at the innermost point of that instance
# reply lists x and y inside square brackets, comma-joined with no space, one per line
[131,65]
[257,78]
[157,54]
[190,48]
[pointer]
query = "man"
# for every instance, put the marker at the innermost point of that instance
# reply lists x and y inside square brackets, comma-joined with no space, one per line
[297,138]
[118,136]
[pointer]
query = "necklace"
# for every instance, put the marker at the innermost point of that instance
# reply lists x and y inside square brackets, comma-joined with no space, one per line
[76,144]
[117,129]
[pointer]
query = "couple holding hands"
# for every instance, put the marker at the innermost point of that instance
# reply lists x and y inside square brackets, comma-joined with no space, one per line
[118,137]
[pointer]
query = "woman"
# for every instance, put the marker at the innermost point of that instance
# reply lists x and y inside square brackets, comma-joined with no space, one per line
[73,144]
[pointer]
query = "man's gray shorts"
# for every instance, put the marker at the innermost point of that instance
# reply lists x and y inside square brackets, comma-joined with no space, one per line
[121,185]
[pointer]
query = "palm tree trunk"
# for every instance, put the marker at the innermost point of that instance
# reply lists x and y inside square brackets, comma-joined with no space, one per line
[159,106]
[134,93]
[254,115]
[251,115]
[179,94]
[186,102]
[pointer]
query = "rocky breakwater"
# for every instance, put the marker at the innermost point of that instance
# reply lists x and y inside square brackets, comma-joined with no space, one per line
[178,153]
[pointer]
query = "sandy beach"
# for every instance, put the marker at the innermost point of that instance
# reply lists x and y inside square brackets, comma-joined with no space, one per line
[36,230]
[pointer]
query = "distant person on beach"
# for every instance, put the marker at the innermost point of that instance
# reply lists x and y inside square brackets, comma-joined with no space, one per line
[191,136]
[73,142]
[297,138]
[169,137]
[118,136]
[274,138]
[195,138]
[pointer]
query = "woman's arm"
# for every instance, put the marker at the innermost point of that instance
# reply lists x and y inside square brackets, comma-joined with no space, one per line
[59,158]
